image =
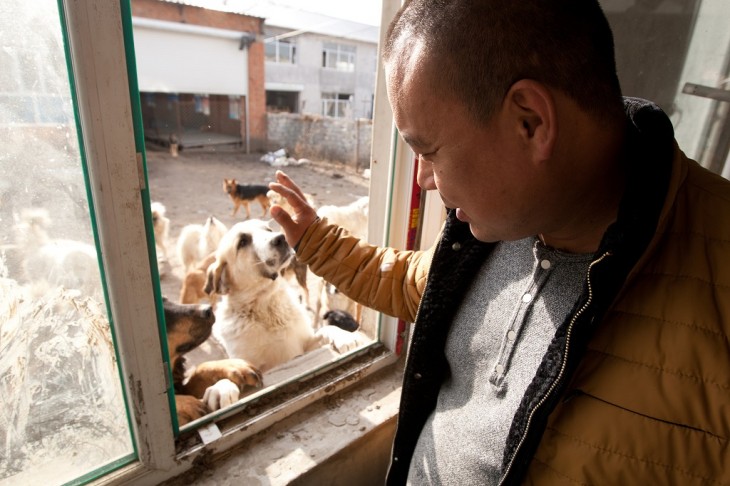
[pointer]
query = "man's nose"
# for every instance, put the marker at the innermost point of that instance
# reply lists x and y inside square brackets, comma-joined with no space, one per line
[425,175]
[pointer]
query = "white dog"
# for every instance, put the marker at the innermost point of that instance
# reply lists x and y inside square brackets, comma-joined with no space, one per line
[161,226]
[354,218]
[57,262]
[259,318]
[197,241]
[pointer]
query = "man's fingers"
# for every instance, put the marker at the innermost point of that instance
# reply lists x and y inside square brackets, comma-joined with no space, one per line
[294,225]
[288,226]
[281,217]
[286,181]
[292,197]
[295,198]
[289,194]
[285,186]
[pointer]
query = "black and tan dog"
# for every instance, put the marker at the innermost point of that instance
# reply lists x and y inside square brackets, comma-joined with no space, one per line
[245,194]
[188,326]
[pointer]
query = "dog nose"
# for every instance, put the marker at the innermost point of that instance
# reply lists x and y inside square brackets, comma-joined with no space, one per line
[208,312]
[279,241]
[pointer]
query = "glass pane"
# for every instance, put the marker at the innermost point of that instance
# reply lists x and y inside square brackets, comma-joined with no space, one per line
[286,52]
[330,59]
[682,66]
[214,176]
[270,49]
[64,413]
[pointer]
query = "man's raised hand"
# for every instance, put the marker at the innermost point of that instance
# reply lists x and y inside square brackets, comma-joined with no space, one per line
[293,225]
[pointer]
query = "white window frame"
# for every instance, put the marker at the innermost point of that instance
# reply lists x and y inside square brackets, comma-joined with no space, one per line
[117,181]
[340,105]
[285,51]
[339,57]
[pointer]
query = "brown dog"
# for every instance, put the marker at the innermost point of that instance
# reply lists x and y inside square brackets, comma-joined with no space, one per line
[193,285]
[244,194]
[188,326]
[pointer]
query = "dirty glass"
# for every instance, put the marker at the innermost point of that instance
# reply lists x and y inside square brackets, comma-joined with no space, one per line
[682,65]
[62,413]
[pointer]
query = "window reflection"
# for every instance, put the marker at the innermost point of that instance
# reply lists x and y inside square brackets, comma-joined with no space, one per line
[665,46]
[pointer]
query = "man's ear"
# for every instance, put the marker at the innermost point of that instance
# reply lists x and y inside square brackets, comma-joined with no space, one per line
[533,110]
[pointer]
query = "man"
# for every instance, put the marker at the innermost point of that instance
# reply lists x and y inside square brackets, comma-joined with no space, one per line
[571,325]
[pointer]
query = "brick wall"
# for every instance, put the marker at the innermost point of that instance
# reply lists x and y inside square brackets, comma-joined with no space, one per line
[185,14]
[346,141]
[257,95]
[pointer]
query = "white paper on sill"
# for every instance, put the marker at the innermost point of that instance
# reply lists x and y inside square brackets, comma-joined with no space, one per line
[209,433]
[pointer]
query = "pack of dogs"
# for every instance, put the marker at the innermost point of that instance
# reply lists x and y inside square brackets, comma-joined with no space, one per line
[245,305]
[246,295]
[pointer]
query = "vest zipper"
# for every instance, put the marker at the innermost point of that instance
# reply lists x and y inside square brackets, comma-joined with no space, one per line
[562,365]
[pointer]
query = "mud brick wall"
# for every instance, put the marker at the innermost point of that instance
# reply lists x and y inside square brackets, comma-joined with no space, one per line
[342,140]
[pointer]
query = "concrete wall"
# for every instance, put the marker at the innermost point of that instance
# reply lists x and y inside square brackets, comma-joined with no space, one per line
[316,137]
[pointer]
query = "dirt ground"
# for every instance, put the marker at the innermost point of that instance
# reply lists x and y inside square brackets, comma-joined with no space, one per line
[191,188]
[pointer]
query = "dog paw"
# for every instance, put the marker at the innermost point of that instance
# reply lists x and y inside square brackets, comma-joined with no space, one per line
[189,408]
[340,340]
[237,371]
[221,395]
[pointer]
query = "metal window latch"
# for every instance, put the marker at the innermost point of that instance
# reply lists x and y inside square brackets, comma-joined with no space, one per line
[706,92]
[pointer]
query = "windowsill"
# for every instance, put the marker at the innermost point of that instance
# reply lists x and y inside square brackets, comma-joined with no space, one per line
[317,441]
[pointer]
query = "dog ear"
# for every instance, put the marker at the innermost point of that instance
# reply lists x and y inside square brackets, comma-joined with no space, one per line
[244,239]
[215,281]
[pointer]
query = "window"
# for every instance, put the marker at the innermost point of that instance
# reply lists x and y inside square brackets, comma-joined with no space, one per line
[682,67]
[83,372]
[282,101]
[280,50]
[65,412]
[337,105]
[338,56]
